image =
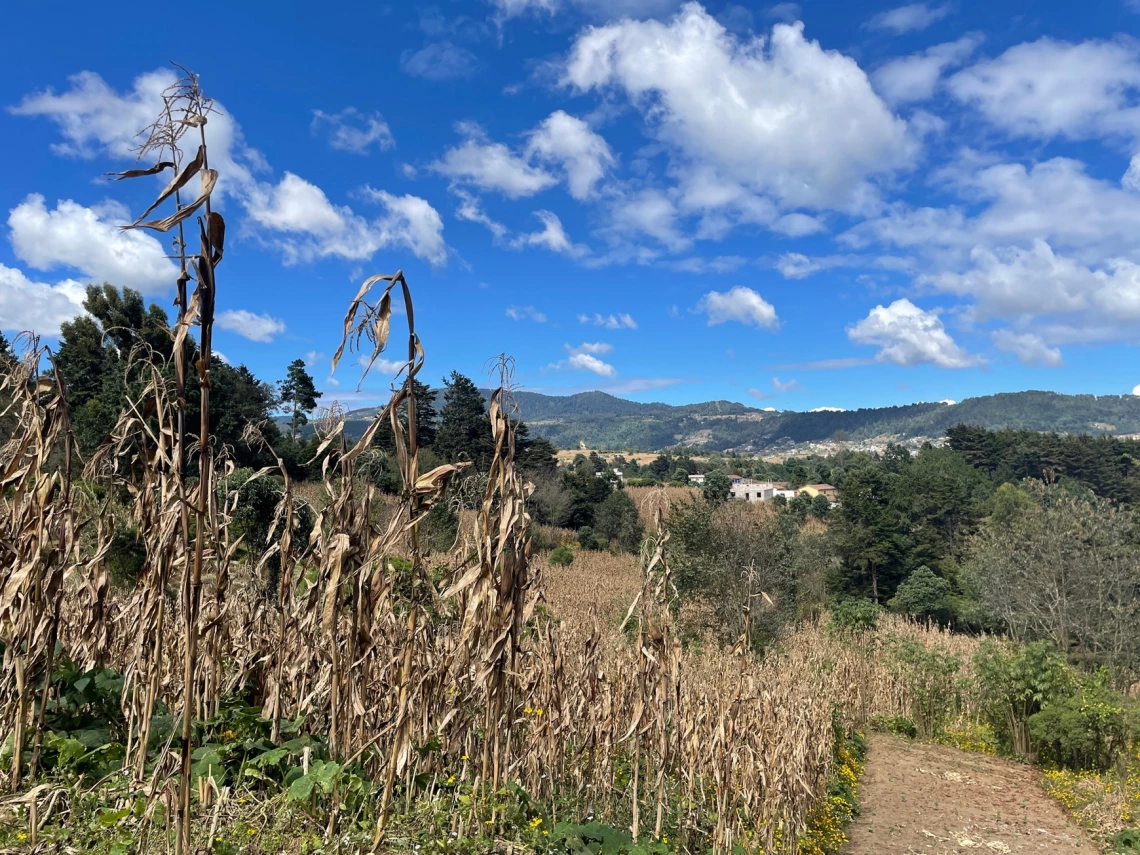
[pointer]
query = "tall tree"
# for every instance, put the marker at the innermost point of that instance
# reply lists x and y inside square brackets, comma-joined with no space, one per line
[464,431]
[299,392]
[6,352]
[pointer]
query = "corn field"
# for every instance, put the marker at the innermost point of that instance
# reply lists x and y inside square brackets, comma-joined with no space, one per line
[601,714]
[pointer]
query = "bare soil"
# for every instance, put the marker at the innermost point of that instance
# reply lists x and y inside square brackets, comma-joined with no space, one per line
[919,799]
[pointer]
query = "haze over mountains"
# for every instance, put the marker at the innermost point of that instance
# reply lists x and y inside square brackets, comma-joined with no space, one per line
[602,421]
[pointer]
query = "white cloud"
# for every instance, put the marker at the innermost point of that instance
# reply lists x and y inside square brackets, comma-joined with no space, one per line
[525,313]
[94,118]
[569,142]
[1050,88]
[740,304]
[552,237]
[1131,179]
[785,386]
[37,306]
[439,61]
[586,362]
[906,335]
[763,113]
[89,240]
[251,325]
[1136,390]
[610,322]
[916,77]
[471,209]
[798,225]
[491,166]
[648,212]
[905,19]
[786,12]
[316,228]
[1028,348]
[584,357]
[350,130]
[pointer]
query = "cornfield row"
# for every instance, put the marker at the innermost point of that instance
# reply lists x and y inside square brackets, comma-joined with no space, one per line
[730,749]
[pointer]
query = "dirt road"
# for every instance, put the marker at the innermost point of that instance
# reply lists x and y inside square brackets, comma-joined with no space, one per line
[921,799]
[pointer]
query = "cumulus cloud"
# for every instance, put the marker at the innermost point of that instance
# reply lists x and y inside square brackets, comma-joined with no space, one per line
[916,77]
[37,306]
[569,143]
[311,227]
[905,19]
[525,313]
[552,237]
[439,61]
[762,112]
[906,335]
[95,119]
[491,166]
[740,304]
[584,357]
[251,325]
[1028,348]
[1051,88]
[352,131]
[89,241]
[610,322]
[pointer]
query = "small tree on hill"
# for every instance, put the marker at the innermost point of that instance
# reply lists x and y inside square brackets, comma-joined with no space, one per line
[300,393]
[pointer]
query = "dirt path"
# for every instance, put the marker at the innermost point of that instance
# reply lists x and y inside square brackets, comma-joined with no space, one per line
[921,799]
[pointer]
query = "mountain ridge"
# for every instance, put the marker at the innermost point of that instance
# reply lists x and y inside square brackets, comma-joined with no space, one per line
[600,420]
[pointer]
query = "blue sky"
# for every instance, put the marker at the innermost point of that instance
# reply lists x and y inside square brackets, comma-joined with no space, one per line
[788,205]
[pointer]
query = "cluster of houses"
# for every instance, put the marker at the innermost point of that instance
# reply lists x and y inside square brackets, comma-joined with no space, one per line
[750,490]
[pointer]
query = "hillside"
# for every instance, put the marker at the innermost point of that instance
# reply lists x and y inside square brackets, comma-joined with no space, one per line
[603,421]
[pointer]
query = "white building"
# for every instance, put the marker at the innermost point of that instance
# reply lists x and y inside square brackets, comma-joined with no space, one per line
[748,490]
[697,480]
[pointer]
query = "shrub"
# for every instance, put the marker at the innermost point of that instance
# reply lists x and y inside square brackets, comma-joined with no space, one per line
[896,725]
[587,539]
[1087,728]
[923,595]
[851,614]
[1016,683]
[562,556]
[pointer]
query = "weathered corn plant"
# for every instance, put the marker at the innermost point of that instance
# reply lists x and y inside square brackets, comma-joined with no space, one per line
[37,543]
[185,108]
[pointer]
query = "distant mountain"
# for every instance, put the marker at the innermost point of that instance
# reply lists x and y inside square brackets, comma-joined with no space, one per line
[603,421]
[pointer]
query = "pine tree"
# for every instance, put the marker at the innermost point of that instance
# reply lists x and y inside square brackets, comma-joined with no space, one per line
[300,393]
[464,431]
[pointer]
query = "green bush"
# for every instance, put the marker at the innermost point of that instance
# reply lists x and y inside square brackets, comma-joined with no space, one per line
[562,556]
[588,539]
[854,615]
[1087,728]
[896,725]
[1016,683]
[923,595]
